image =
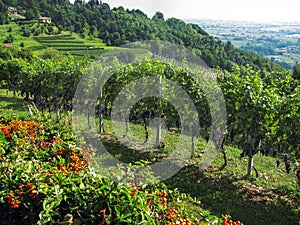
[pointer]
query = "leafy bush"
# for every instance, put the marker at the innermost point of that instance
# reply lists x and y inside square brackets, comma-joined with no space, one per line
[45,178]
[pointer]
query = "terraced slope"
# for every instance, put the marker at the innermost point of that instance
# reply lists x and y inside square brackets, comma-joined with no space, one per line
[70,44]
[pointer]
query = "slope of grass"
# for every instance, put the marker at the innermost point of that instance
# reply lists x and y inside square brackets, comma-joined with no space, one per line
[17,34]
[12,107]
[272,198]
[256,201]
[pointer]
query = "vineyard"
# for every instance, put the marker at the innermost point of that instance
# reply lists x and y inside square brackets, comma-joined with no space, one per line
[47,177]
[70,45]
[66,43]
[29,194]
[109,116]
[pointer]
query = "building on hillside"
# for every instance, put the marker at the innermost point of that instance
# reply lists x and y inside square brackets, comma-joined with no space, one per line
[45,19]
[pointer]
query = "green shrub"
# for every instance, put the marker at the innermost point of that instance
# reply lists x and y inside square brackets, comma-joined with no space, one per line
[45,178]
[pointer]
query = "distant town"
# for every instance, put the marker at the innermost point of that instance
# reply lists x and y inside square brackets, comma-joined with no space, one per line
[280,42]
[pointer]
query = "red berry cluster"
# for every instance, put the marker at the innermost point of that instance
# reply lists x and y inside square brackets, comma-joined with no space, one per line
[14,203]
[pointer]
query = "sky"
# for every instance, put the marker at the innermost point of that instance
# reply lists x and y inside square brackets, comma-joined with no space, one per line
[238,10]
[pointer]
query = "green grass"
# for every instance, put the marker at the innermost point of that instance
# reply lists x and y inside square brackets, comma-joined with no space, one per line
[227,191]
[12,107]
[269,199]
[17,34]
[272,198]
[66,42]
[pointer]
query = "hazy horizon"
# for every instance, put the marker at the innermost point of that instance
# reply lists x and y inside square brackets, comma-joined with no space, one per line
[230,10]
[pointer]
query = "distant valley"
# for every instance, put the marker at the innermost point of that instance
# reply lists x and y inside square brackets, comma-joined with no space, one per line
[280,42]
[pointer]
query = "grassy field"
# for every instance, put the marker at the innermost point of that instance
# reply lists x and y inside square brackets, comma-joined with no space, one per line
[273,198]
[17,34]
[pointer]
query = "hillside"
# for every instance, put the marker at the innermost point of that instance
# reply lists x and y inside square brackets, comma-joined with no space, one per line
[64,41]
[119,26]
[243,122]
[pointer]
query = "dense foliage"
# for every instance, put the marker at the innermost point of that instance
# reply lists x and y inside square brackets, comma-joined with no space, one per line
[296,71]
[49,83]
[46,179]
[263,112]
[3,13]
[261,109]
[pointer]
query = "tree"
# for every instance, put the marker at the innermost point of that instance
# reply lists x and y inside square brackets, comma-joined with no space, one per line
[158,15]
[71,29]
[108,42]
[9,39]
[30,14]
[85,30]
[261,111]
[53,54]
[25,31]
[296,71]
[3,13]
[94,31]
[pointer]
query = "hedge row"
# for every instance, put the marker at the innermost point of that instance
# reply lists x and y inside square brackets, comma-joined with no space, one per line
[55,37]
[85,48]
[64,41]
[67,45]
[35,48]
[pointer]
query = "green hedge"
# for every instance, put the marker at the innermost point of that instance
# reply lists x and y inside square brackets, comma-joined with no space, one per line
[82,49]
[55,37]
[67,45]
[64,41]
[34,48]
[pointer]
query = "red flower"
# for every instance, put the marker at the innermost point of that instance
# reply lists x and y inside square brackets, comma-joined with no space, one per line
[15,206]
